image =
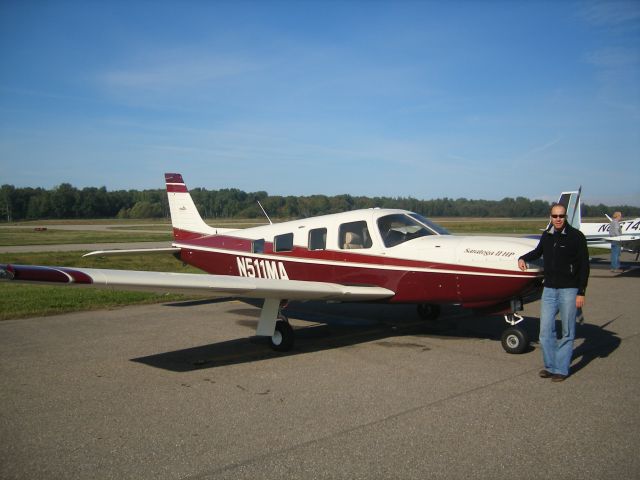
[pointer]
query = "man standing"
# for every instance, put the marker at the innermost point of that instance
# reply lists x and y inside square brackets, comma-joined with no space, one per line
[614,231]
[566,272]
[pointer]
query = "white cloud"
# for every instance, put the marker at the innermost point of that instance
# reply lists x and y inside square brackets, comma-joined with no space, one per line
[613,57]
[608,13]
[177,69]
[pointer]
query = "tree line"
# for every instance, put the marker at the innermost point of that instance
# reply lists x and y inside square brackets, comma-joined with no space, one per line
[68,202]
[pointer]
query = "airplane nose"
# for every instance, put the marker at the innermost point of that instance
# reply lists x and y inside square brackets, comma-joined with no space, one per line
[494,252]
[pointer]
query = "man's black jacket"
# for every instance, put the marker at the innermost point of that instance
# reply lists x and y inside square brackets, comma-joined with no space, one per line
[565,256]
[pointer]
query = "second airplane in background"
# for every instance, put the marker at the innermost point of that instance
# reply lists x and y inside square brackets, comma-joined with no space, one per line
[597,234]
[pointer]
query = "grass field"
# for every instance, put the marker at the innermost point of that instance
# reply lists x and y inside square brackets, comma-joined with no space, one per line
[24,236]
[100,231]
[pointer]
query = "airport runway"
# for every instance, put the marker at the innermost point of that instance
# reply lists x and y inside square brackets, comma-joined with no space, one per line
[184,391]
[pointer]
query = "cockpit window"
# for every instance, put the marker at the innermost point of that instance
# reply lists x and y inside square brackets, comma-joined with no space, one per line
[430,225]
[399,228]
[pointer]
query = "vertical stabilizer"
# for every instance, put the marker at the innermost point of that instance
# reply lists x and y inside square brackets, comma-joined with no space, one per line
[571,201]
[185,218]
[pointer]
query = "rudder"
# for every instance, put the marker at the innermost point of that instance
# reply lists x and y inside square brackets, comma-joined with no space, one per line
[185,218]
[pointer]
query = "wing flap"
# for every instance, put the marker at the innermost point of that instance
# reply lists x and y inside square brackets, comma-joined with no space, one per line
[192,283]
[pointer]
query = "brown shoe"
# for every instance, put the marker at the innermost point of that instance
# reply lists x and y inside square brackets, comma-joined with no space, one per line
[545,374]
[557,377]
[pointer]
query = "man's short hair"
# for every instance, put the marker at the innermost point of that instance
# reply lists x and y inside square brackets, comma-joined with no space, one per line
[554,205]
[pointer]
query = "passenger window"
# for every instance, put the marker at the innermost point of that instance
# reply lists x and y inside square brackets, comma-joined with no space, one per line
[258,246]
[318,239]
[283,243]
[354,235]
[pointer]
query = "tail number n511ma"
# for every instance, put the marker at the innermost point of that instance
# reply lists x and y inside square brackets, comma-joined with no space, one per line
[260,268]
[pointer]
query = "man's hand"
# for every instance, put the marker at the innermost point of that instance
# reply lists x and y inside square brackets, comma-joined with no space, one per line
[522,265]
[579,301]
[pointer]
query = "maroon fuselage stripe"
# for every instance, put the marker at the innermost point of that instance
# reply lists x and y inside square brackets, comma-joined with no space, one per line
[243,246]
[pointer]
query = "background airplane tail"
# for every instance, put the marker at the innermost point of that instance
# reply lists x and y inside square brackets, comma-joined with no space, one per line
[185,218]
[571,201]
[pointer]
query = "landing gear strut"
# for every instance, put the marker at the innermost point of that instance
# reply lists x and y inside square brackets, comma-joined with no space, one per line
[273,324]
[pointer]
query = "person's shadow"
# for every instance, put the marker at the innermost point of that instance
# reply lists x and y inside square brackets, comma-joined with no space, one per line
[598,343]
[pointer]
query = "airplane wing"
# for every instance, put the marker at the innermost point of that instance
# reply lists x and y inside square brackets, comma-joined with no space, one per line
[204,284]
[628,242]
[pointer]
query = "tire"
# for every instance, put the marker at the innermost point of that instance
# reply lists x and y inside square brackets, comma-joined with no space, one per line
[282,339]
[428,311]
[515,340]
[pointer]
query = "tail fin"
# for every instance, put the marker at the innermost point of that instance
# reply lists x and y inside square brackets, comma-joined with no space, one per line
[571,201]
[185,218]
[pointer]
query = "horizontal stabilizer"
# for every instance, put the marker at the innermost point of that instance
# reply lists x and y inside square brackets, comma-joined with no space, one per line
[133,251]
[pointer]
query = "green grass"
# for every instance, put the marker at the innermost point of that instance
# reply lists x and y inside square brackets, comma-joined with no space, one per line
[28,236]
[112,231]
[159,262]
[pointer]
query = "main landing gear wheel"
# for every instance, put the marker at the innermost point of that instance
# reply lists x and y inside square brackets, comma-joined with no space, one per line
[282,338]
[428,311]
[515,340]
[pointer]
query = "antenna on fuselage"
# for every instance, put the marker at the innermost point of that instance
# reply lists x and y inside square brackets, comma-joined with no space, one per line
[265,213]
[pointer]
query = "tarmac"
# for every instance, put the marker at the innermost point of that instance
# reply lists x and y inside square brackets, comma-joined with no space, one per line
[185,391]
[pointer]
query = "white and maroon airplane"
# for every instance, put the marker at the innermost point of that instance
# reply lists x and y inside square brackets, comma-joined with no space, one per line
[381,255]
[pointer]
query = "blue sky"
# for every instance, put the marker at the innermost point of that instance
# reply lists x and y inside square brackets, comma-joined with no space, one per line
[478,99]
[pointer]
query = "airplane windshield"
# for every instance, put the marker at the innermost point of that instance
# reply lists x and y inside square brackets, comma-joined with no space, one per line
[431,225]
[399,228]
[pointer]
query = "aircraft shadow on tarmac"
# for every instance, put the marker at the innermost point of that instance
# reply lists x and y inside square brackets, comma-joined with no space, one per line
[345,325]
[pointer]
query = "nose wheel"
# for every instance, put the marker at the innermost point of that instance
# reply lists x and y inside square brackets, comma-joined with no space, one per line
[514,339]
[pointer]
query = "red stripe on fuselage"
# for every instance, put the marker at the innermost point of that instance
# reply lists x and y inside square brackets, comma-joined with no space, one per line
[242,246]
[224,242]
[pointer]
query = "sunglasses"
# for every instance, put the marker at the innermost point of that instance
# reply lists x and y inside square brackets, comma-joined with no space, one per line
[558,216]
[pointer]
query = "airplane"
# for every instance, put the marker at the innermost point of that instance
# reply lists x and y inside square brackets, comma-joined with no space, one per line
[368,255]
[597,234]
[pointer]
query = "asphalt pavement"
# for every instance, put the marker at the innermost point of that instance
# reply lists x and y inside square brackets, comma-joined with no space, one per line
[185,391]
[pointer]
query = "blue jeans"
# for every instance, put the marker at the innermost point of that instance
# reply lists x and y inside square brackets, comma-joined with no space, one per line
[557,352]
[615,256]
